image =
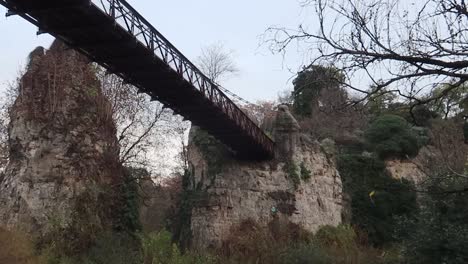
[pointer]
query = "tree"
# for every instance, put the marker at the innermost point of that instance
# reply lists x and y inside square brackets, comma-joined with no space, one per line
[319,102]
[263,113]
[379,102]
[313,87]
[377,199]
[452,104]
[439,231]
[7,99]
[407,47]
[390,136]
[216,63]
[144,127]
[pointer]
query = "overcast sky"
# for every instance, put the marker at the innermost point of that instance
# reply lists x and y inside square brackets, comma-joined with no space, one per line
[191,25]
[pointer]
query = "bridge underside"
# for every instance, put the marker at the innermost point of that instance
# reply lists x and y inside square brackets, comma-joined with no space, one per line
[89,30]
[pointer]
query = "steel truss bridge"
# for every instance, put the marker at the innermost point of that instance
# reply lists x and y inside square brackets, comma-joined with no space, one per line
[115,35]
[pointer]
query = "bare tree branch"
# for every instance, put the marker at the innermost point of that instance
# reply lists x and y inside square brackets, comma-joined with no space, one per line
[410,47]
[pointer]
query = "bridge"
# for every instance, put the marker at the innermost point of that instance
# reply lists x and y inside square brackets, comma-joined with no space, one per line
[113,34]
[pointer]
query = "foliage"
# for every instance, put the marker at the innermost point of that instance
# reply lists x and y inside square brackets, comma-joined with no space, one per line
[342,237]
[111,248]
[159,249]
[80,233]
[192,194]
[292,171]
[128,219]
[310,83]
[279,243]
[305,173]
[380,101]
[285,243]
[251,242]
[438,234]
[422,116]
[305,253]
[451,104]
[319,103]
[465,131]
[16,248]
[391,136]
[376,197]
[213,151]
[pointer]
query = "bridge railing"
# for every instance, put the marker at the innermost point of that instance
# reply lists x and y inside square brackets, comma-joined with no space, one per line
[128,18]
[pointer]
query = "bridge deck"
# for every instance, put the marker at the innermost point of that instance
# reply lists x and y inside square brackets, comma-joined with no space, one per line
[113,34]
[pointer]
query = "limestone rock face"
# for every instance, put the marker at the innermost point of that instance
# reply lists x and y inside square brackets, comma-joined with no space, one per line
[405,169]
[62,142]
[231,191]
[416,169]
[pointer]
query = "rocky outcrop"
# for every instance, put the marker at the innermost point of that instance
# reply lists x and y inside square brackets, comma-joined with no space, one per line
[63,150]
[417,169]
[303,188]
[405,169]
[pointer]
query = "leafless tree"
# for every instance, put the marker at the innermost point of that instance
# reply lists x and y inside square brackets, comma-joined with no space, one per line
[263,113]
[398,46]
[217,63]
[3,140]
[145,129]
[7,98]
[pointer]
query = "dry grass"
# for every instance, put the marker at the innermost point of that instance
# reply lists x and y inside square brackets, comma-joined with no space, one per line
[17,248]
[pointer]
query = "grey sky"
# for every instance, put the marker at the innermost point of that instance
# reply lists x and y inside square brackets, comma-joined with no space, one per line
[191,25]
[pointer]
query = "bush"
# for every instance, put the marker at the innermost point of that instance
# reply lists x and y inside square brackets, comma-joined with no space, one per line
[391,136]
[376,197]
[465,131]
[16,248]
[159,249]
[113,248]
[305,253]
[292,171]
[342,237]
[336,245]
[439,233]
[252,243]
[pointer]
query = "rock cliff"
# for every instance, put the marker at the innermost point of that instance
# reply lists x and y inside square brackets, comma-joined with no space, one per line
[63,150]
[301,186]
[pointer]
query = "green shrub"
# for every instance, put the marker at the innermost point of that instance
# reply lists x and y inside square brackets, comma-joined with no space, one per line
[376,197]
[342,237]
[391,136]
[108,248]
[305,173]
[292,171]
[465,131]
[128,218]
[17,248]
[439,233]
[113,248]
[305,253]
[159,249]
[310,84]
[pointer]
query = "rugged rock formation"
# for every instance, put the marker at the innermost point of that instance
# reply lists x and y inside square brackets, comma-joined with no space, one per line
[302,186]
[63,150]
[405,169]
[426,163]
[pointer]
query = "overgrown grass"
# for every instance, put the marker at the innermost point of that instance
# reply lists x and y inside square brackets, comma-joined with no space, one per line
[17,248]
[279,243]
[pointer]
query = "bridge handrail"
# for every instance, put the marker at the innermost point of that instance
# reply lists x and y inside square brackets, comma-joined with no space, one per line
[131,20]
